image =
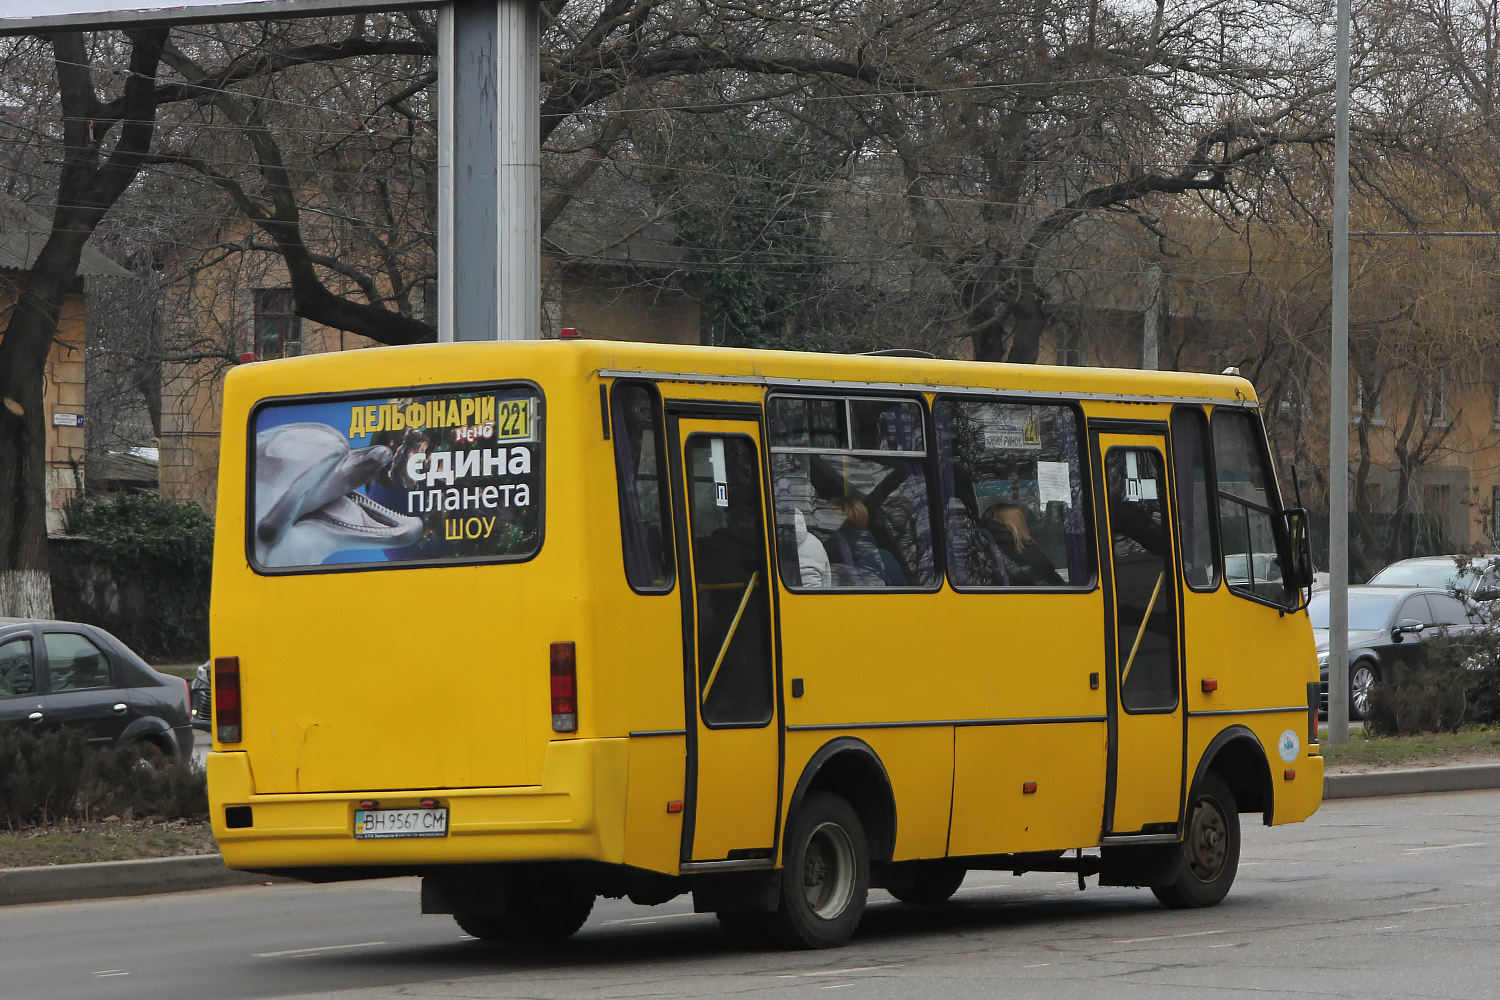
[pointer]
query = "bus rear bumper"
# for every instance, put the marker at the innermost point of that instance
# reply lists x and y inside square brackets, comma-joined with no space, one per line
[576,813]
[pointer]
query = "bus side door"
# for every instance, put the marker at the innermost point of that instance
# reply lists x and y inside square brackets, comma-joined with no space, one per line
[734,732]
[1143,793]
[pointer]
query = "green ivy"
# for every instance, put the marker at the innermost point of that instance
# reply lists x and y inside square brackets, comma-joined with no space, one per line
[163,551]
[752,235]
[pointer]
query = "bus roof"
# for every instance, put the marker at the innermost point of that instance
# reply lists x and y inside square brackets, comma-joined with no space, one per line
[725,365]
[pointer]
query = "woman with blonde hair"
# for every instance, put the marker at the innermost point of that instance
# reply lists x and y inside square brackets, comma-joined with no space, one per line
[1007,522]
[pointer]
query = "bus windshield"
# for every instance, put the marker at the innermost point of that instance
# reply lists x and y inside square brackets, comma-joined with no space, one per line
[450,476]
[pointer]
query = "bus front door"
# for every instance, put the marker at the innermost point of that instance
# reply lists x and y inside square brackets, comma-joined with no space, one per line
[733,765]
[1144,789]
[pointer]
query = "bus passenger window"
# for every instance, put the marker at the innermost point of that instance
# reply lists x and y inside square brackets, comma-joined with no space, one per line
[1200,568]
[1012,490]
[1253,550]
[849,480]
[641,474]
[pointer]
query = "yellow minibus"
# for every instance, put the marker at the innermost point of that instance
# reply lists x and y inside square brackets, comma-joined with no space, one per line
[545,621]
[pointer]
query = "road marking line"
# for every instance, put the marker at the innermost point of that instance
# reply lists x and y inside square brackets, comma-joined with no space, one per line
[1440,847]
[1170,937]
[112,972]
[648,920]
[845,972]
[316,951]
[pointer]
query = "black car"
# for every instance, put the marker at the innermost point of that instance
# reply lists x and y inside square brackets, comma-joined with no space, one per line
[1387,626]
[56,675]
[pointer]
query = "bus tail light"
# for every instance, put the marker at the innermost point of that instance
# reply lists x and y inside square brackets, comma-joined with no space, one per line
[227,699]
[564,688]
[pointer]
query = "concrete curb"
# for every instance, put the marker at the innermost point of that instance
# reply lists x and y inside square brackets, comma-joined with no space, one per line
[1411,781]
[54,883]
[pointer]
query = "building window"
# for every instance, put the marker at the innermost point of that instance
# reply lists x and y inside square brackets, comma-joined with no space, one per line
[1366,395]
[1070,349]
[278,328]
[1437,399]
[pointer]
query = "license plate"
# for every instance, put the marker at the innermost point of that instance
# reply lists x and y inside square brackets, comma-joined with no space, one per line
[379,824]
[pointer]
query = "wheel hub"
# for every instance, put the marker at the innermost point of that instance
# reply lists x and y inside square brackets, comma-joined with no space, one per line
[1206,854]
[828,871]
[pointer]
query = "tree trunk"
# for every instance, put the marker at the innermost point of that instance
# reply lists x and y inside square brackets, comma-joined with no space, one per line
[85,192]
[25,591]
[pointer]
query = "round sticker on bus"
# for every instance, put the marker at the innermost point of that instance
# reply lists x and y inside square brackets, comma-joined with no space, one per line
[1289,746]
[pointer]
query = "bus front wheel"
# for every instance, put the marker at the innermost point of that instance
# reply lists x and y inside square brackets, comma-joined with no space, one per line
[1210,852]
[826,878]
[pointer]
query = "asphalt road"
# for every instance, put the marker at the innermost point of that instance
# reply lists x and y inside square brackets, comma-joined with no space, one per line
[1371,898]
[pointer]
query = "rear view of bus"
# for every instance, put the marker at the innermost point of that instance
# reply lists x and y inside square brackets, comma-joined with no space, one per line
[385,647]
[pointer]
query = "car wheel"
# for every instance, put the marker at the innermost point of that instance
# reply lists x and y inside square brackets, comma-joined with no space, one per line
[1362,681]
[930,883]
[149,755]
[1210,852]
[826,878]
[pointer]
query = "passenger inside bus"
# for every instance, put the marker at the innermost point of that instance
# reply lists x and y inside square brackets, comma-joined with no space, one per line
[858,559]
[813,568]
[1025,563]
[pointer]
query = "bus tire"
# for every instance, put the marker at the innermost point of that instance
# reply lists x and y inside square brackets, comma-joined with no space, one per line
[535,909]
[929,884]
[825,880]
[484,926]
[1210,851]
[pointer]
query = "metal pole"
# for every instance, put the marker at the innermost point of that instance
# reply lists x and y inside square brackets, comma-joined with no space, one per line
[445,255]
[1338,411]
[518,158]
[489,284]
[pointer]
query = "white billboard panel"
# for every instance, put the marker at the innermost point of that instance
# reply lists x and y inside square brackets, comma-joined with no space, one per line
[31,16]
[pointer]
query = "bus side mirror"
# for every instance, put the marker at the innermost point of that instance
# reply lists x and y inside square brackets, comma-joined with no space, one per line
[1299,575]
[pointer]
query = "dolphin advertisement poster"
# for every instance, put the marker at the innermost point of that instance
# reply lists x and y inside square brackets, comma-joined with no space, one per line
[451,476]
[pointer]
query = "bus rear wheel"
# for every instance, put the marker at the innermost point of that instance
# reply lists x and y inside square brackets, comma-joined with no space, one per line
[1210,852]
[534,909]
[929,883]
[826,879]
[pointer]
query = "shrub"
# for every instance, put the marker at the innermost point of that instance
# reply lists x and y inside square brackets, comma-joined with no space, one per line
[1430,700]
[56,776]
[155,560]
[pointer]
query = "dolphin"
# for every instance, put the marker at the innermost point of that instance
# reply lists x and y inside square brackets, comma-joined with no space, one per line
[307,504]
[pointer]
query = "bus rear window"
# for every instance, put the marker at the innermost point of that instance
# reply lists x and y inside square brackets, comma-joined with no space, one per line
[449,476]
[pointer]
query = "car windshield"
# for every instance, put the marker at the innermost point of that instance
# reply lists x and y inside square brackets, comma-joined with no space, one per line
[1444,575]
[1367,612]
